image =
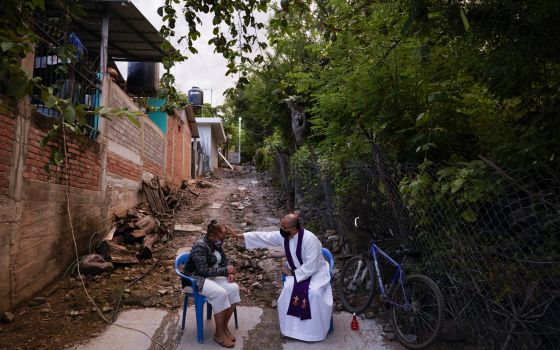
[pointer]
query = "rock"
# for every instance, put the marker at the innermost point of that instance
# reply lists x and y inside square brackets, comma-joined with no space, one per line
[197,221]
[273,221]
[100,299]
[127,278]
[139,298]
[329,233]
[162,292]
[36,301]
[256,285]
[188,228]
[70,295]
[74,313]
[7,317]
[389,335]
[387,327]
[46,309]
[107,309]
[332,238]
[94,264]
[215,206]
[274,304]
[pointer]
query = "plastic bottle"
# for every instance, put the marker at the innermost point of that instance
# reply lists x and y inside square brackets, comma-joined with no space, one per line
[354,325]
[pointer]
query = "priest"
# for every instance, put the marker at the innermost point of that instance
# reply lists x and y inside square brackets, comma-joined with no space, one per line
[305,303]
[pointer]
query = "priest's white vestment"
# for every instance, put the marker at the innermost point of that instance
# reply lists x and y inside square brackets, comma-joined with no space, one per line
[320,291]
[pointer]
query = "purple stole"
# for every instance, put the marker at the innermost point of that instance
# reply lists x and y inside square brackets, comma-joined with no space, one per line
[299,301]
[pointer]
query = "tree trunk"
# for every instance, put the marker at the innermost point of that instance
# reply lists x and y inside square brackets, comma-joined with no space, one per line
[116,253]
[147,223]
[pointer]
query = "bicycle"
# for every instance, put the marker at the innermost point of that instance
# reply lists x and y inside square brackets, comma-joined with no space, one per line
[416,304]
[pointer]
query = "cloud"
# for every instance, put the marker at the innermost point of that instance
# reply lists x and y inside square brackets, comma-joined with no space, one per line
[206,69]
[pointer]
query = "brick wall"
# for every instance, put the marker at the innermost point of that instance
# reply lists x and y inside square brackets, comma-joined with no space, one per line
[123,167]
[84,162]
[178,138]
[35,239]
[7,131]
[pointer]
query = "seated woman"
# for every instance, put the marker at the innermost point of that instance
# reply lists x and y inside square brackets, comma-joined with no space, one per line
[214,279]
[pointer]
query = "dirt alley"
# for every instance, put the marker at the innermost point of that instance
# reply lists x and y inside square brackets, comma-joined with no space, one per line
[62,315]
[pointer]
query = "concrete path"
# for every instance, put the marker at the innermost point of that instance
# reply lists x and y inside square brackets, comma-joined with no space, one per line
[258,329]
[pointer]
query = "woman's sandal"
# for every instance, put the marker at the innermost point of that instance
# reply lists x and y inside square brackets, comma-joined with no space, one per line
[226,343]
[231,337]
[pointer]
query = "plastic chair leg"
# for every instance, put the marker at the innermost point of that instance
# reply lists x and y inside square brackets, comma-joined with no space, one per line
[199,306]
[208,311]
[185,304]
[235,317]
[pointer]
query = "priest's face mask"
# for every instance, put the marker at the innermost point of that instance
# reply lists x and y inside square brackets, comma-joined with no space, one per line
[287,231]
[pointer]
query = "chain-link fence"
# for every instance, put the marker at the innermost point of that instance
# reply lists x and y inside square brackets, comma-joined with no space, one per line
[490,238]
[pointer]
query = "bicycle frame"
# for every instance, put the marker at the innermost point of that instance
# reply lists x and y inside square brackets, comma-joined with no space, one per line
[397,278]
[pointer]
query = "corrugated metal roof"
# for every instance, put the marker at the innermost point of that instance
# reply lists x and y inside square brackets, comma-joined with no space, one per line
[131,36]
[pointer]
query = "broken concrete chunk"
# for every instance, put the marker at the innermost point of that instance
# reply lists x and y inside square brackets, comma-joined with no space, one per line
[74,313]
[188,228]
[107,309]
[94,264]
[36,301]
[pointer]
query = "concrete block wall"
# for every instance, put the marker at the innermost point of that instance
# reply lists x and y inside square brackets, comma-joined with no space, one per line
[35,231]
[153,155]
[104,177]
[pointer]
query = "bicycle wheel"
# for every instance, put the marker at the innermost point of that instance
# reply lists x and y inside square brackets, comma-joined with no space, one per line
[356,285]
[419,326]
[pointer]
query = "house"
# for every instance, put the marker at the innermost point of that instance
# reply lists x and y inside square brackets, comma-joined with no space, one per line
[212,135]
[106,164]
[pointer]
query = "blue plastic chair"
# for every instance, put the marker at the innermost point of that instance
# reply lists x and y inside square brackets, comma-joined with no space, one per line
[328,256]
[199,301]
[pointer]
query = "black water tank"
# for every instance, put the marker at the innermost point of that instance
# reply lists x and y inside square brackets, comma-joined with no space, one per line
[143,78]
[196,96]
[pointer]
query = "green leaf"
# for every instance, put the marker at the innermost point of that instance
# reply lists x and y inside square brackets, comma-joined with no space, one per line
[133,120]
[6,46]
[57,157]
[69,114]
[465,20]
[469,215]
[437,96]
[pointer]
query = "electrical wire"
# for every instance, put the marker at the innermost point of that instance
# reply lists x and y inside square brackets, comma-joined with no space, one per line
[99,312]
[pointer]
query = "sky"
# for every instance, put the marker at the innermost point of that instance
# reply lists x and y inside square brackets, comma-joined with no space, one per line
[206,69]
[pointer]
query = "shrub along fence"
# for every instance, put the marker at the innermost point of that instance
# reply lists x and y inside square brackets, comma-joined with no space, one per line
[490,237]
